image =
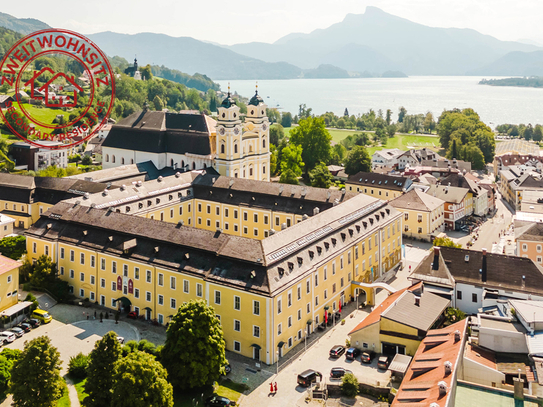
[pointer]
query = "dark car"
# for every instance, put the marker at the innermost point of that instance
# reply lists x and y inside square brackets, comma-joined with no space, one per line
[34,322]
[25,327]
[307,377]
[338,372]
[352,353]
[227,368]
[337,351]
[217,401]
[367,356]
[383,362]
[17,331]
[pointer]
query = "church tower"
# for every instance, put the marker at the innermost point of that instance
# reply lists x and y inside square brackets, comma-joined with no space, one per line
[257,139]
[229,135]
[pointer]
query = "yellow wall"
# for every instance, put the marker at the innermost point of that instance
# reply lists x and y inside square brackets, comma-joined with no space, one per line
[411,345]
[421,224]
[9,284]
[381,193]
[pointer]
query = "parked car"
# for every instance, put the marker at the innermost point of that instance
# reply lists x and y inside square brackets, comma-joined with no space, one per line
[367,356]
[383,362]
[7,337]
[227,368]
[352,353]
[338,372]
[25,326]
[132,315]
[34,322]
[42,315]
[217,401]
[17,331]
[307,377]
[337,351]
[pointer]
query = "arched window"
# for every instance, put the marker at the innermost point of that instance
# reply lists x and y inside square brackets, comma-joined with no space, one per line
[113,158]
[264,169]
[250,148]
[263,143]
[193,165]
[243,172]
[222,148]
[236,174]
[107,158]
[122,160]
[205,166]
[250,171]
[235,148]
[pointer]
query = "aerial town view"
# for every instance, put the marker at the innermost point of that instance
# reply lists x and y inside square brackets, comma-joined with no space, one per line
[310,203]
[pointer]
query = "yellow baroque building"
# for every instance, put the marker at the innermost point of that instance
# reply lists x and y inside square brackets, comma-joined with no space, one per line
[269,258]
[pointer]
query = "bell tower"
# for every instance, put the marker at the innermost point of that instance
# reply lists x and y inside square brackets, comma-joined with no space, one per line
[229,138]
[257,139]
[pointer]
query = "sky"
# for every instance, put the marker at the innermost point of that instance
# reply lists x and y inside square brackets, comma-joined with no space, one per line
[239,21]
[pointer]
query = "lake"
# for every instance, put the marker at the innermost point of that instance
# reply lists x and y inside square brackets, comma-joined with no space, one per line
[418,94]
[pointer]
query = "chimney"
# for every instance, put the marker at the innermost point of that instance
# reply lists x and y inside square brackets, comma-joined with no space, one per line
[316,211]
[442,388]
[283,226]
[435,264]
[417,301]
[456,336]
[448,368]
[483,269]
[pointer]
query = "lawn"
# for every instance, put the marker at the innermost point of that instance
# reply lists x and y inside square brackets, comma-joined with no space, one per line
[42,114]
[64,401]
[227,388]
[407,141]
[80,387]
[337,134]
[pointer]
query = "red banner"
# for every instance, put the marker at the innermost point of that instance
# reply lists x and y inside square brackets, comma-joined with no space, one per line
[130,287]
[119,283]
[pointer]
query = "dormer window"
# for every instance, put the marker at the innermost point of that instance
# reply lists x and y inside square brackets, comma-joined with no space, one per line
[343,236]
[326,245]
[300,261]
[334,241]
[281,271]
[358,228]
[290,265]
[311,254]
[351,232]
[319,250]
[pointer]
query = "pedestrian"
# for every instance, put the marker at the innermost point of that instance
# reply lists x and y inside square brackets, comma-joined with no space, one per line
[101,316]
[275,387]
[94,314]
[87,316]
[271,387]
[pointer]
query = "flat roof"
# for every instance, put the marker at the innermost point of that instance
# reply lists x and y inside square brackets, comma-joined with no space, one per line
[15,308]
[469,396]
[509,326]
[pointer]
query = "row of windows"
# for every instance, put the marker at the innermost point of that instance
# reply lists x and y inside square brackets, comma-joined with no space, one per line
[14,207]
[223,146]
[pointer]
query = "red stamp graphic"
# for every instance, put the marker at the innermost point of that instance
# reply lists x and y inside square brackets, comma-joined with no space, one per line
[63,85]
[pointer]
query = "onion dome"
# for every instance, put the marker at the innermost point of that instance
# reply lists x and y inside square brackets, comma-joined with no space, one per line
[256,100]
[228,101]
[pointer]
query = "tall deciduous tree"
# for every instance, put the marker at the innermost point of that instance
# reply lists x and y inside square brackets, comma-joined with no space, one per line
[320,177]
[401,114]
[44,272]
[140,381]
[286,119]
[101,371]
[35,377]
[358,160]
[312,136]
[194,352]
[291,159]
[276,133]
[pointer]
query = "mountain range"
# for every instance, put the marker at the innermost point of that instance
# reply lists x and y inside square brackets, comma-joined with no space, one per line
[371,43]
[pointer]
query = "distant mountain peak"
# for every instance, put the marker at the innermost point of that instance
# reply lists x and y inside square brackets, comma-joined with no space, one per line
[21,25]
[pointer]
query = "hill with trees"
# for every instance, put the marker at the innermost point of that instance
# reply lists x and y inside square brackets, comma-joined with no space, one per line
[21,25]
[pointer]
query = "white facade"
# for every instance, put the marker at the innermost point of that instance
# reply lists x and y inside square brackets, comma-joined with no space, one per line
[115,157]
[385,158]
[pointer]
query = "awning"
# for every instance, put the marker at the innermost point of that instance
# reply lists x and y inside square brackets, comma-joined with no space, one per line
[400,363]
[15,309]
[254,345]
[147,309]
[124,301]
[309,322]
[326,307]
[281,344]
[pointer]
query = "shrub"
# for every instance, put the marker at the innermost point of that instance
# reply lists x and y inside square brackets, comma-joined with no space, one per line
[77,368]
[349,385]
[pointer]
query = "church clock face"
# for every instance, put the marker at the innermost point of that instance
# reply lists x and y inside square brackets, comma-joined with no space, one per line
[221,131]
[236,130]
[264,127]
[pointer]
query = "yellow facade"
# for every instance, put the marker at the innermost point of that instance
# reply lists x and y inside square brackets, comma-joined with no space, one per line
[9,282]
[423,224]
[405,335]
[376,192]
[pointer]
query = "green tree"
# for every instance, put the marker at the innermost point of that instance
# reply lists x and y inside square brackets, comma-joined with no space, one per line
[349,385]
[146,72]
[401,115]
[338,154]
[341,123]
[320,176]
[391,130]
[446,242]
[453,315]
[101,371]
[358,160]
[286,119]
[291,159]
[44,272]
[194,352]
[473,154]
[13,247]
[87,160]
[538,133]
[158,103]
[7,358]
[273,115]
[273,159]
[389,117]
[289,177]
[276,133]
[140,381]
[77,367]
[312,136]
[429,123]
[35,377]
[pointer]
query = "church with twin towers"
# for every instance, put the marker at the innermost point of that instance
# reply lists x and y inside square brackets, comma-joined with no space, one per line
[190,141]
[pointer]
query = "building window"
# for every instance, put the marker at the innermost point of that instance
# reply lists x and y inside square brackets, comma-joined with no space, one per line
[308,286]
[125,270]
[237,303]
[256,307]
[539,259]
[173,303]
[524,247]
[299,293]
[81,292]
[217,297]
[265,219]
[160,318]
[93,261]
[82,276]
[474,297]
[148,276]
[255,216]
[103,282]
[114,267]
[136,273]
[237,325]
[103,264]
[325,294]
[538,248]
[61,272]
[406,216]
[160,299]
[113,286]
[199,290]
[245,230]
[279,308]
[420,230]
[62,252]
[237,345]
[72,274]
[279,329]
[316,301]
[148,296]
[459,295]
[308,308]
[289,321]
[160,279]
[256,331]
[46,250]
[72,255]
[136,293]
[289,299]
[172,283]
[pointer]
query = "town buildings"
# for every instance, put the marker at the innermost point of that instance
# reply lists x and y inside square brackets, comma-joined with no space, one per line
[386,158]
[38,158]
[381,186]
[269,258]
[458,203]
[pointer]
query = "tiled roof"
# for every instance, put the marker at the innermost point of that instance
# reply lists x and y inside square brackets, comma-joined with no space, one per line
[7,264]
[480,355]
[375,180]
[448,193]
[420,385]
[532,231]
[417,200]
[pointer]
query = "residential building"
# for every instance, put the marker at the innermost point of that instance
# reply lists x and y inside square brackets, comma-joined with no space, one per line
[25,198]
[458,203]
[478,193]
[400,322]
[195,141]
[515,152]
[38,158]
[9,283]
[6,225]
[432,376]
[529,239]
[515,183]
[444,163]
[381,186]
[476,280]
[386,158]
[408,159]
[270,258]
[424,215]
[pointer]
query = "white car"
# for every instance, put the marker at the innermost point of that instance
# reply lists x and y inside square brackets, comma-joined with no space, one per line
[7,337]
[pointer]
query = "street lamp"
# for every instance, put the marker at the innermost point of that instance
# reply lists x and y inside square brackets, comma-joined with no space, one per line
[277,353]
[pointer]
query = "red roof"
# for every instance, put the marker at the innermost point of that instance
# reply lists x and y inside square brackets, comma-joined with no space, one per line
[375,315]
[421,381]
[7,264]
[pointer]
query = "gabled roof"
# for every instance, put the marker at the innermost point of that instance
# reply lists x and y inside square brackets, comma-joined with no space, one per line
[389,153]
[420,385]
[417,200]
[7,264]
[458,180]
[532,231]
[481,355]
[448,193]
[375,180]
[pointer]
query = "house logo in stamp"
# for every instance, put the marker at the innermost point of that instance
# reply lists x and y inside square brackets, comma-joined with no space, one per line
[62,88]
